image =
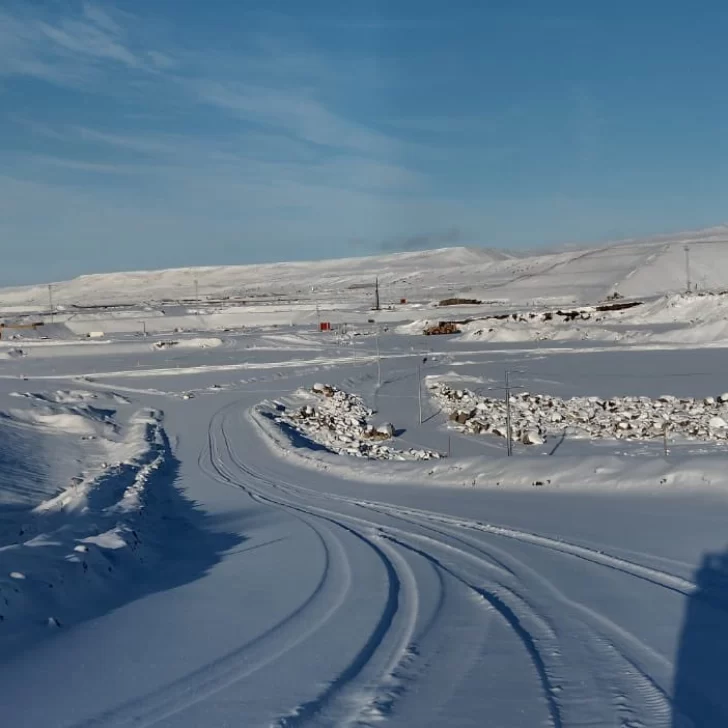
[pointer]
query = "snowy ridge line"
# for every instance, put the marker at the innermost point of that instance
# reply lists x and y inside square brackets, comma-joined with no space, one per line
[648,266]
[546,660]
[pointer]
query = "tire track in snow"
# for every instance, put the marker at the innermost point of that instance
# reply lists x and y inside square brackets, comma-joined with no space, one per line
[338,705]
[329,594]
[362,525]
[376,699]
[655,576]
[657,696]
[373,703]
[624,676]
[597,634]
[515,622]
[366,690]
[513,616]
[342,703]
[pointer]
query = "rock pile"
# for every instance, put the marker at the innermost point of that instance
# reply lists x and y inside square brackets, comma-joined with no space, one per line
[536,416]
[582,313]
[340,422]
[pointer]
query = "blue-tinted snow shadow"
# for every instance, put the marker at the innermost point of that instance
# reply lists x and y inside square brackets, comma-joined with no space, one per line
[700,693]
[171,541]
[296,438]
[187,540]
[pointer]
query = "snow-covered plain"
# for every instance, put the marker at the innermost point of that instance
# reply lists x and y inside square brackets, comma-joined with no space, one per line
[200,529]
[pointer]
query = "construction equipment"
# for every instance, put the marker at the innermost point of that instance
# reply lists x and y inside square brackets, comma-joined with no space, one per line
[32,326]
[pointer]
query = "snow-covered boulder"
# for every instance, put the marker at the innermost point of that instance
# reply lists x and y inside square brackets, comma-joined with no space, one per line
[532,437]
[385,430]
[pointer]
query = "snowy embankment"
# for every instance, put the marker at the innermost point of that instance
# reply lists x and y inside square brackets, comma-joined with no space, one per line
[694,318]
[339,422]
[576,467]
[192,343]
[65,547]
[534,417]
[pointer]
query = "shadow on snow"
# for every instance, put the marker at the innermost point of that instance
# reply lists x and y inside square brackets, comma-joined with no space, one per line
[700,692]
[170,542]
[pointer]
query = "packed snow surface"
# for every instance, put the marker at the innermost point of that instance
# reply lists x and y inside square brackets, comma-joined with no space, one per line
[272,525]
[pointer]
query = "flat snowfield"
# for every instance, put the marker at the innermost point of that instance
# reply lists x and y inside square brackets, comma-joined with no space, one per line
[205,529]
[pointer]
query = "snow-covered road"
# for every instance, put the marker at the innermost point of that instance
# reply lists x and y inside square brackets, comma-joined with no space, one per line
[323,601]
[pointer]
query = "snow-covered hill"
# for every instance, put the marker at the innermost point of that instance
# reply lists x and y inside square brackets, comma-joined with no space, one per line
[633,267]
[407,271]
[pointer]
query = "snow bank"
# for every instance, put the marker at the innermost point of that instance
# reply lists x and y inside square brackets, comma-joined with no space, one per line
[81,544]
[66,422]
[71,396]
[672,319]
[196,343]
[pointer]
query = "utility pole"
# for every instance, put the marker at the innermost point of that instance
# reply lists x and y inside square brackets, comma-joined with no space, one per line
[377,307]
[419,390]
[379,362]
[687,268]
[508,388]
[509,443]
[197,291]
[664,439]
[50,299]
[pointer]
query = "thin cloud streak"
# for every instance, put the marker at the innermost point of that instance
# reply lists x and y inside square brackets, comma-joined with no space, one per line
[70,50]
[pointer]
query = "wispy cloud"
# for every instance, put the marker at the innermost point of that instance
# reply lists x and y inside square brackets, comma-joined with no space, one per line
[141,143]
[70,48]
[292,112]
[446,125]
[84,166]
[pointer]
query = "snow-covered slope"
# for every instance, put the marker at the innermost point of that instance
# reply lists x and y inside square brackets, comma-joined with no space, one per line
[634,268]
[285,280]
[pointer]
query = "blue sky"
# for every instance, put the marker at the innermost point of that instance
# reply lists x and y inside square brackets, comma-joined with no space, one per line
[158,133]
